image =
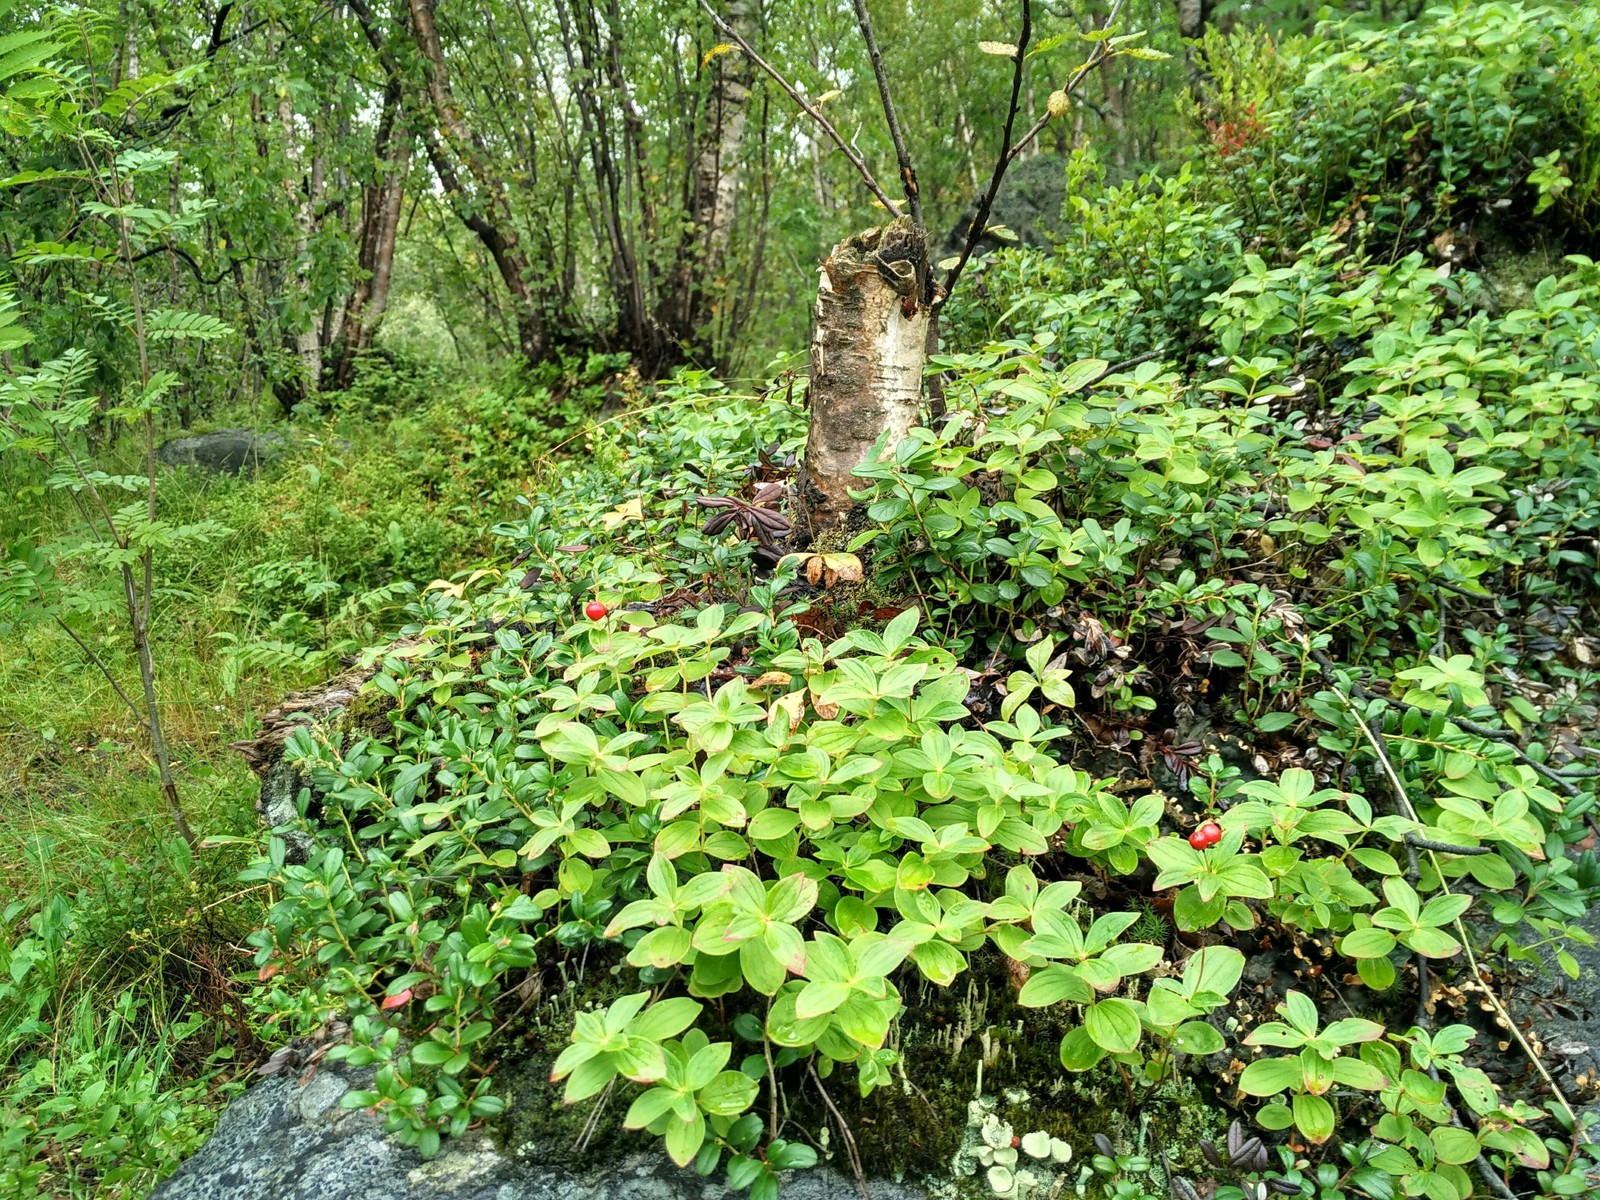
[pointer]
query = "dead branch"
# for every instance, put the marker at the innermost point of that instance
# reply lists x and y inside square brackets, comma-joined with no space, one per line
[844,1132]
[908,174]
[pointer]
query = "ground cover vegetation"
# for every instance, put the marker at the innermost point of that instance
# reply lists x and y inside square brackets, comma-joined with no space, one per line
[1185,750]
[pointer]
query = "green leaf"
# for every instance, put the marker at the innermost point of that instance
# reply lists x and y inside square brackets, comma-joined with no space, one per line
[1269,1076]
[1079,1051]
[1052,985]
[1313,1116]
[430,1053]
[1367,943]
[1377,973]
[649,1105]
[1431,943]
[1242,877]
[939,961]
[170,324]
[683,1139]
[791,1156]
[729,1094]
[1197,1037]
[1455,1146]
[1113,1025]
[1215,969]
[665,1019]
[1275,1116]
[820,997]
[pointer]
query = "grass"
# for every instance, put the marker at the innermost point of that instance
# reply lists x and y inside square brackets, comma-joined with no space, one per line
[124,1017]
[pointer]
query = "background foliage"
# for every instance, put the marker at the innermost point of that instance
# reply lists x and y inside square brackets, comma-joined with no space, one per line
[1278,426]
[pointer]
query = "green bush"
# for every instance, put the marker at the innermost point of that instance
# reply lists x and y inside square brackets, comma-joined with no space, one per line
[771,835]
[1471,111]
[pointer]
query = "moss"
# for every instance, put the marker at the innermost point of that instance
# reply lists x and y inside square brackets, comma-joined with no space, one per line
[367,714]
[917,1125]
[955,1045]
[1512,264]
[538,1126]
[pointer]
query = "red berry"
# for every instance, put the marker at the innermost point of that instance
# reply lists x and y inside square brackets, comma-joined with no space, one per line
[595,611]
[1212,832]
[1198,840]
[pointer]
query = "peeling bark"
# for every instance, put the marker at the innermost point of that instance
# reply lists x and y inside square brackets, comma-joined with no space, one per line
[868,351]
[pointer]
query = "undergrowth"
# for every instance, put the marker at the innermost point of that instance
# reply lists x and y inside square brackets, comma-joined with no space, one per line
[1213,675]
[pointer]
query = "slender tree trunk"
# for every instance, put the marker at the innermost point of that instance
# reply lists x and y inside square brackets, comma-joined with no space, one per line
[381,204]
[486,212]
[1115,113]
[868,350]
[685,312]
[300,188]
[585,47]
[1193,16]
[383,258]
[965,128]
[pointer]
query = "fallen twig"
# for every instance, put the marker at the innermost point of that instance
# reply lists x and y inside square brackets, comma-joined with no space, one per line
[844,1132]
[1488,993]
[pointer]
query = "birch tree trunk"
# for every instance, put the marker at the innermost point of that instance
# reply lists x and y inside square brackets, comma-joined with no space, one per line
[868,351]
[685,312]
[486,211]
[299,188]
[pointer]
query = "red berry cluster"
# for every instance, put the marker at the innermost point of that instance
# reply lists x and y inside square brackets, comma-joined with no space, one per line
[1208,834]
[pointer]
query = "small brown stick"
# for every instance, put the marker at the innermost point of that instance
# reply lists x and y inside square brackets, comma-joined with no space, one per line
[908,174]
[1128,364]
[772,1082]
[1504,736]
[844,1132]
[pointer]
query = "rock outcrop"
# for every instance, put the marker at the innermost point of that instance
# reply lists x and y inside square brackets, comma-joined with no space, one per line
[223,451]
[291,1140]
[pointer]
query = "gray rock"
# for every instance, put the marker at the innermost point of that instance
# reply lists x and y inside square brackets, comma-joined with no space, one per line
[1571,1035]
[280,809]
[226,451]
[286,1141]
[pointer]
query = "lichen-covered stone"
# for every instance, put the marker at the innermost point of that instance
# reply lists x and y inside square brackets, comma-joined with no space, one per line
[284,1140]
[224,451]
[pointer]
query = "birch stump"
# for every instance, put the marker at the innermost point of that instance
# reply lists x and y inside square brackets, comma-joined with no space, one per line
[868,351]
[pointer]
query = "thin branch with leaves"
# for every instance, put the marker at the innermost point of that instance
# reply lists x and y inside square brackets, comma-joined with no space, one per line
[805,106]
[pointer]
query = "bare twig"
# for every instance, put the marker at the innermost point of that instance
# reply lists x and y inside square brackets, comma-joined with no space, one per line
[806,107]
[980,220]
[1101,52]
[100,666]
[1128,364]
[908,175]
[1466,941]
[1009,152]
[1562,780]
[844,1132]
[1496,1184]
[592,1122]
